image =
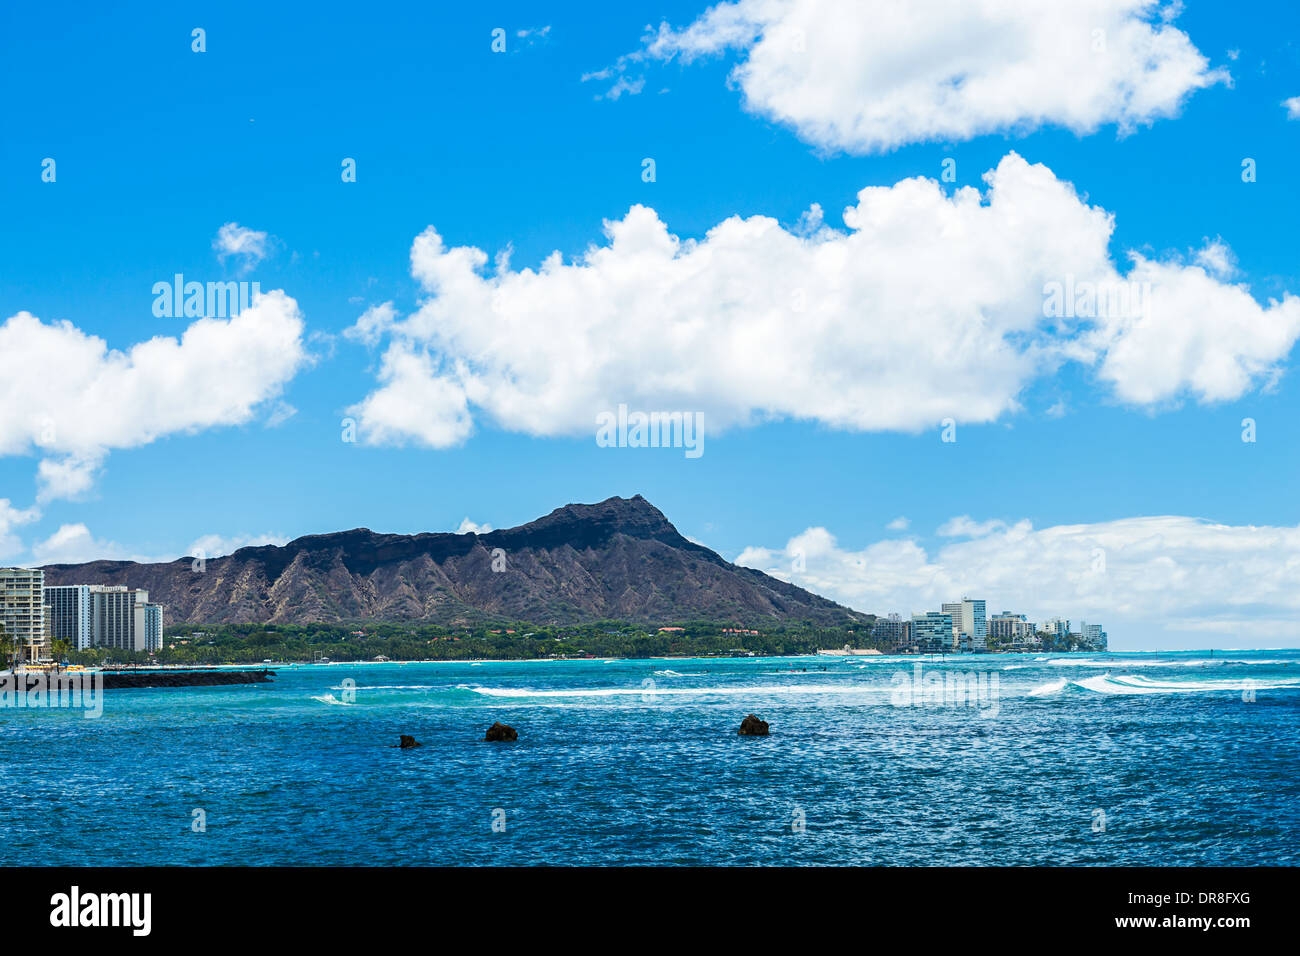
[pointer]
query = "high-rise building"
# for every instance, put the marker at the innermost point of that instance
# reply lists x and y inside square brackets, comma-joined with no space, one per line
[893,631]
[1011,628]
[1057,627]
[953,610]
[97,615]
[22,609]
[969,625]
[1093,635]
[153,627]
[932,631]
[974,623]
[67,606]
[117,615]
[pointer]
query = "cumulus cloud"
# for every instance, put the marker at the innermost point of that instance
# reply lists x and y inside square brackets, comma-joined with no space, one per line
[70,477]
[247,247]
[900,523]
[871,77]
[1292,107]
[11,518]
[74,544]
[413,403]
[926,306]
[1216,258]
[1198,335]
[217,373]
[216,545]
[374,323]
[471,527]
[1145,578]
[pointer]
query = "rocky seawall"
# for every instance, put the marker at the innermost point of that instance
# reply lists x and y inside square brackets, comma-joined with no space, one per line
[121,680]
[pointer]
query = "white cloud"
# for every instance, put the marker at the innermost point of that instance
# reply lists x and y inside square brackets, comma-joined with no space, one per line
[1216,258]
[1147,579]
[624,84]
[247,246]
[470,527]
[70,477]
[72,399]
[533,34]
[74,544]
[413,403]
[374,323]
[1292,107]
[926,306]
[280,412]
[11,518]
[871,77]
[215,545]
[898,524]
[965,527]
[1199,335]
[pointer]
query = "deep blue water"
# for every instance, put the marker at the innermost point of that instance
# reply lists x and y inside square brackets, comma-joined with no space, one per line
[610,770]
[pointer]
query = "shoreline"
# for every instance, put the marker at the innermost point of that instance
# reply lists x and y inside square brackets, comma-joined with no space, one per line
[879,655]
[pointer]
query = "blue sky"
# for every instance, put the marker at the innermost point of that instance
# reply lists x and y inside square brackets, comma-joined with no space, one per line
[157,147]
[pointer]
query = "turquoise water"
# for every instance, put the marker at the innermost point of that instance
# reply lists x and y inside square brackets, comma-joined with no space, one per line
[1065,759]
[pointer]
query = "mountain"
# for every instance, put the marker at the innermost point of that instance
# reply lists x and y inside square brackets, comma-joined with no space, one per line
[620,559]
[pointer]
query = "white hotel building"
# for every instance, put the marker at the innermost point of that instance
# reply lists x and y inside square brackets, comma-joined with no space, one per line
[22,609]
[969,624]
[99,615]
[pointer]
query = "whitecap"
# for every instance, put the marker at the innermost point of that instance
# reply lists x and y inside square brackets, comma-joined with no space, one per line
[331,699]
[1051,687]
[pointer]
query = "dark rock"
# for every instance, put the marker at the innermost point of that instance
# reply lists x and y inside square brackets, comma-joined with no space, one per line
[500,731]
[408,742]
[751,726]
[144,677]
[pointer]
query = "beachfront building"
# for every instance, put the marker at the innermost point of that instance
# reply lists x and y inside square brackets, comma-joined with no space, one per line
[118,617]
[67,608]
[974,630]
[953,610]
[22,610]
[969,625]
[153,627]
[1057,627]
[893,632]
[932,631]
[1010,628]
[1094,638]
[98,615]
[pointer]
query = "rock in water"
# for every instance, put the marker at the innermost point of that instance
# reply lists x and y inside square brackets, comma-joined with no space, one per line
[751,726]
[408,742]
[500,731]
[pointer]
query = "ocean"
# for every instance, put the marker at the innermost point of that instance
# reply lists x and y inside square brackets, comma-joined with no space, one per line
[1166,759]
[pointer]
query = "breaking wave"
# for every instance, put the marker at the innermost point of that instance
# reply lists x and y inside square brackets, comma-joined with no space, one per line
[1050,688]
[331,699]
[1137,684]
[768,690]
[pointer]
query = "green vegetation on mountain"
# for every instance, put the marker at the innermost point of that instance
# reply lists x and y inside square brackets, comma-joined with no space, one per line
[254,643]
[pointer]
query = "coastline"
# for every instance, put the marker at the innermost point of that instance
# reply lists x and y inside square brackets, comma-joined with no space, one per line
[823,655]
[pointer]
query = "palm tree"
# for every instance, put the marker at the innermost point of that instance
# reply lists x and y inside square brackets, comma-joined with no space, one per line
[11,658]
